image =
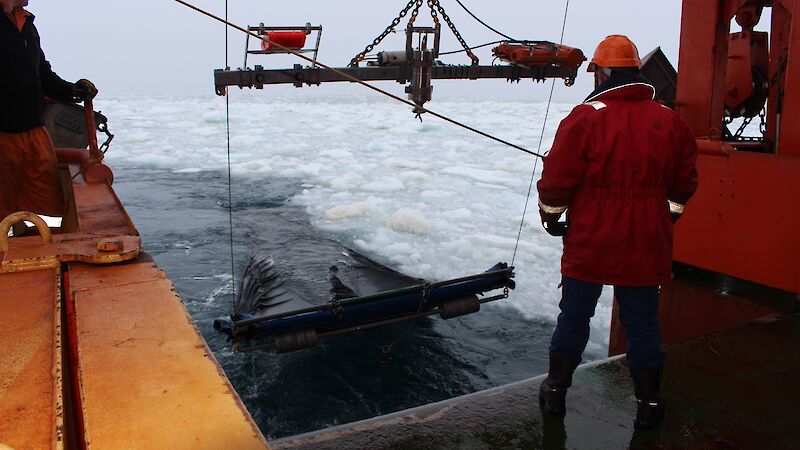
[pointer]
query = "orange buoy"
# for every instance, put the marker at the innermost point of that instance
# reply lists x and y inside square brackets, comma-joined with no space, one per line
[294,40]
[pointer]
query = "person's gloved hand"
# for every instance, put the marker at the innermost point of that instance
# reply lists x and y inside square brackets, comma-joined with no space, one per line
[551,223]
[83,89]
[549,217]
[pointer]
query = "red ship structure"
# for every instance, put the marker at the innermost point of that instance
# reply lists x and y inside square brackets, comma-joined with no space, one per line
[83,364]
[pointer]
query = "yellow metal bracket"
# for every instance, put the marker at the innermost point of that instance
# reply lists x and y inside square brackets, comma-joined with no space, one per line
[53,250]
[17,217]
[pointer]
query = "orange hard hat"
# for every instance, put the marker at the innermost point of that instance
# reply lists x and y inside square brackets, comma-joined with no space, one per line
[615,51]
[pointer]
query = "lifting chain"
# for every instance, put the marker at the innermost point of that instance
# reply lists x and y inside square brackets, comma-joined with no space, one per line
[414,13]
[762,126]
[740,131]
[102,126]
[360,57]
[436,10]
[435,5]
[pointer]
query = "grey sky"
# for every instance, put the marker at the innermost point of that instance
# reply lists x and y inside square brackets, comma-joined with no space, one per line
[161,47]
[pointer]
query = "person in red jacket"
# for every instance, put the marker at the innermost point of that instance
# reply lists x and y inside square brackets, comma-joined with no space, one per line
[28,166]
[622,167]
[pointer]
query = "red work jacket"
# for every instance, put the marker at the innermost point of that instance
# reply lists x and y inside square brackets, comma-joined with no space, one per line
[619,164]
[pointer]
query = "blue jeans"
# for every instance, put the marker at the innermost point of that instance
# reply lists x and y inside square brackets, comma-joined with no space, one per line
[638,312]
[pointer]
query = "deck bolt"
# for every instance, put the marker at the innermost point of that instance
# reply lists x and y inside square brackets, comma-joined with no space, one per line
[109,245]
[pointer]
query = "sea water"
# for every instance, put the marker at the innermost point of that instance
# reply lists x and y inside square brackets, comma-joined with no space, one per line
[427,199]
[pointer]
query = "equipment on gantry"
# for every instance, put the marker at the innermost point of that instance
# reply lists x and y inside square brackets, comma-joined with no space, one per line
[283,322]
[415,66]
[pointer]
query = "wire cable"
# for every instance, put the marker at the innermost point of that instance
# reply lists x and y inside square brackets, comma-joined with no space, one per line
[539,149]
[471,48]
[230,189]
[362,82]
[482,22]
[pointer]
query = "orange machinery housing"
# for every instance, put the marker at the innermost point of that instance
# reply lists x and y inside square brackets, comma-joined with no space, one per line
[743,222]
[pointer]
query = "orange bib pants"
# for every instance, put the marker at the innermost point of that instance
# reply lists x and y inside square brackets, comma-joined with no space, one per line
[29,174]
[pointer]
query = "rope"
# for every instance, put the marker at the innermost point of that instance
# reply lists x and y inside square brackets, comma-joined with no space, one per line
[230,190]
[361,82]
[539,149]
[482,22]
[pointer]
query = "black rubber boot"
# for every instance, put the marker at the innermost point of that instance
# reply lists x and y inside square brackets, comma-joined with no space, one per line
[553,390]
[649,406]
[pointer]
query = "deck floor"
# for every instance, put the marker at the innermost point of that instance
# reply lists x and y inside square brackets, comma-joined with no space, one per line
[734,389]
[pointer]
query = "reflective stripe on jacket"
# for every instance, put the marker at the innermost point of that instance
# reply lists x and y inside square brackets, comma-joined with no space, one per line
[619,164]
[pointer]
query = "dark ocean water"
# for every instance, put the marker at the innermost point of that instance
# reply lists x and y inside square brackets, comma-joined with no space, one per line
[183,220]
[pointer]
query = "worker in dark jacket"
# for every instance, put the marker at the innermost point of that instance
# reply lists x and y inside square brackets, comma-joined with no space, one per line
[622,167]
[28,166]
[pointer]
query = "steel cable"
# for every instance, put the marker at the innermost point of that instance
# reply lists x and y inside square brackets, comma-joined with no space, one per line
[482,22]
[539,149]
[230,189]
[471,48]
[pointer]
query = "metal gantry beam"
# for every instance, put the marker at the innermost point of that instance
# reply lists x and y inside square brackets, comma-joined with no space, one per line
[257,77]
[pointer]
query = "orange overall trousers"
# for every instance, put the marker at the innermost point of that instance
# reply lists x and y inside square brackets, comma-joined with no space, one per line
[29,174]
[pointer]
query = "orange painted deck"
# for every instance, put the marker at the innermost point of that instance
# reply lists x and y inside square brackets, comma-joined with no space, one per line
[98,350]
[147,378]
[30,391]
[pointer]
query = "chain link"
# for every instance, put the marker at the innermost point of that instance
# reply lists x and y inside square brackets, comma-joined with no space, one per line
[102,126]
[740,132]
[435,5]
[360,57]
[414,13]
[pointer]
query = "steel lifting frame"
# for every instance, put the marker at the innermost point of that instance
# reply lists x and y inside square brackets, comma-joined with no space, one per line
[299,75]
[262,30]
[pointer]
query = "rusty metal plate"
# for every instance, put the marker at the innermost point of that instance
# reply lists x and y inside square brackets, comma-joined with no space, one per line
[147,378]
[717,231]
[30,360]
[85,277]
[98,208]
[20,258]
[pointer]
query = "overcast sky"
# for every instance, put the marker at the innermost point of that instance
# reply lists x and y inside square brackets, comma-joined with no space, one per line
[161,47]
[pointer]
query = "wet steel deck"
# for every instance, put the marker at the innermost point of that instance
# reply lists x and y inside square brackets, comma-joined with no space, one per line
[733,389]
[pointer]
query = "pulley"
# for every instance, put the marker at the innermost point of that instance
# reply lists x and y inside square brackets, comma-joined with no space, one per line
[746,77]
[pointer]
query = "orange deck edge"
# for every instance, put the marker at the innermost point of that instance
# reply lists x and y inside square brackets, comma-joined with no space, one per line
[147,379]
[136,374]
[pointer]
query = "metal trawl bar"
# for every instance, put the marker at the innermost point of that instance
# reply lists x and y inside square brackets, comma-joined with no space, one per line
[355,300]
[271,345]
